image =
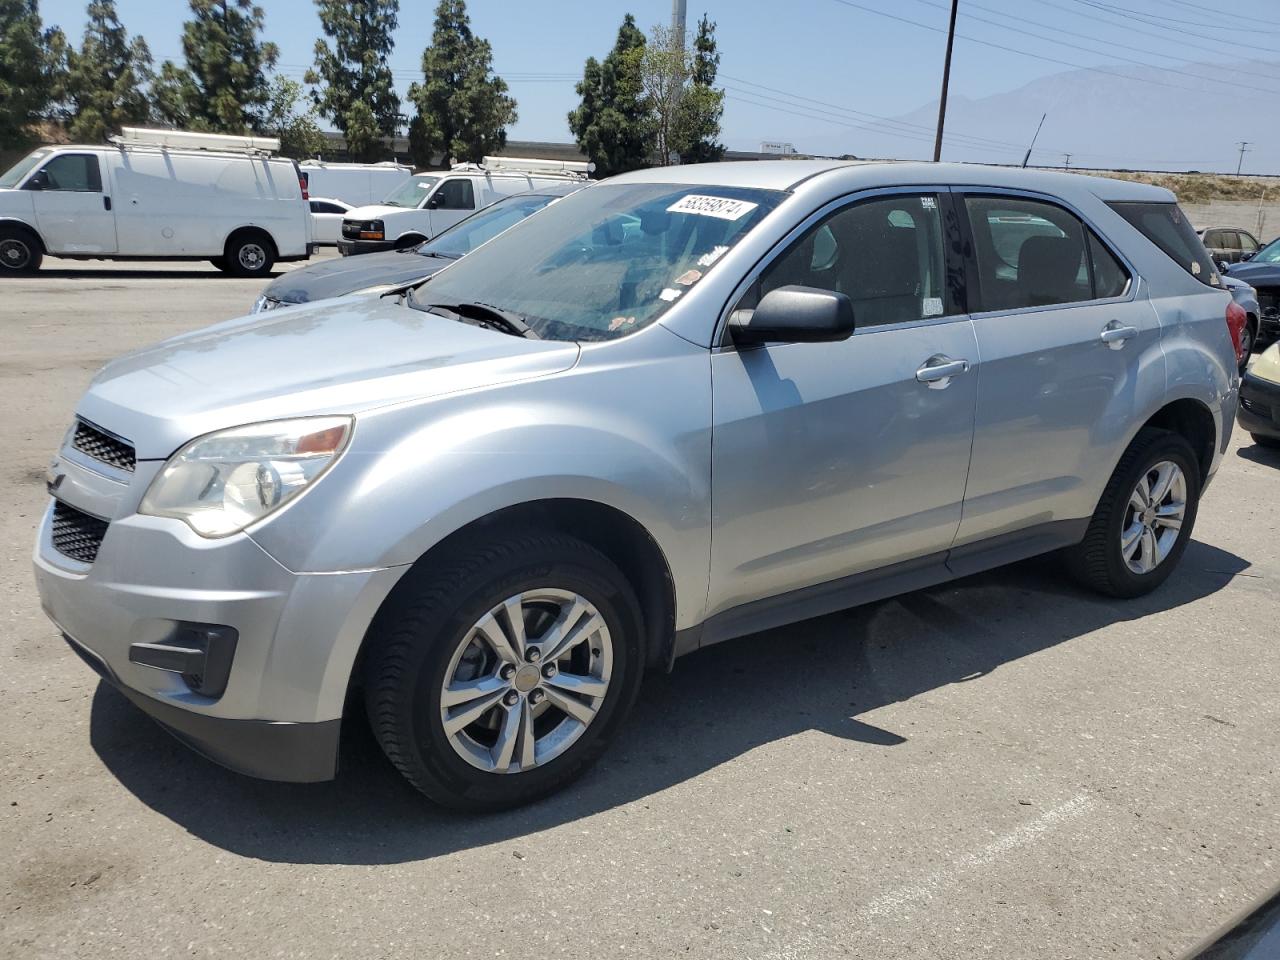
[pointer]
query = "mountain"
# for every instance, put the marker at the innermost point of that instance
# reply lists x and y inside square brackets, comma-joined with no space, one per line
[1145,118]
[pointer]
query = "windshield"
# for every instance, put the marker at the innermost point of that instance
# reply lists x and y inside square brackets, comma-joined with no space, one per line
[15,174]
[462,238]
[411,193]
[1268,254]
[607,261]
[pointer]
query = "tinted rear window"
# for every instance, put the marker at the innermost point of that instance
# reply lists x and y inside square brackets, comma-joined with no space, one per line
[1165,225]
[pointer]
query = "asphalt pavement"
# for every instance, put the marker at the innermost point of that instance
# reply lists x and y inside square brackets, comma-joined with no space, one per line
[1002,767]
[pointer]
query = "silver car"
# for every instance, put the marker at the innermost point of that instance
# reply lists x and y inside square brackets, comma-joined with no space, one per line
[679,407]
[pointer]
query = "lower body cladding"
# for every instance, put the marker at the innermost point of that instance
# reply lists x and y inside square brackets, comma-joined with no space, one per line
[240,658]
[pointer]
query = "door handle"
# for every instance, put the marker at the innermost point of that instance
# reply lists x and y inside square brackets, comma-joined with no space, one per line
[106,203]
[1114,335]
[939,369]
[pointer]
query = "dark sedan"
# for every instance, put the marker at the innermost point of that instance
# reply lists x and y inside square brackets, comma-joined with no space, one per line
[381,271]
[1262,272]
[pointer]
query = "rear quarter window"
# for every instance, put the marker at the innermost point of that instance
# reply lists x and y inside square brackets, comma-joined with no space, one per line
[1165,225]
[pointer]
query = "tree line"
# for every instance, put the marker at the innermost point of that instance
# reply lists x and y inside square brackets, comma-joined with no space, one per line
[650,100]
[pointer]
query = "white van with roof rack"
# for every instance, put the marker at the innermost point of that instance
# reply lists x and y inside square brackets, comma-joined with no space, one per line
[157,195]
[355,184]
[429,203]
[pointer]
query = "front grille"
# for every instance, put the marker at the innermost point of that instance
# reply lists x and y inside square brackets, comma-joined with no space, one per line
[103,447]
[77,534]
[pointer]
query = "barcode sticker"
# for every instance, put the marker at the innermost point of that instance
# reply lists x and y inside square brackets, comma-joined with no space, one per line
[722,208]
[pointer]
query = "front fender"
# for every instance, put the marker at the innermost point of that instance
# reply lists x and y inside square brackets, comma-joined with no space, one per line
[631,433]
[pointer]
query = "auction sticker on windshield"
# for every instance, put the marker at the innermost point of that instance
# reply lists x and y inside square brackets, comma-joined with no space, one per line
[722,208]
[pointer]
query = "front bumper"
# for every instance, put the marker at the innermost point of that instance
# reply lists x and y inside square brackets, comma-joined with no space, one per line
[298,634]
[349,248]
[1259,410]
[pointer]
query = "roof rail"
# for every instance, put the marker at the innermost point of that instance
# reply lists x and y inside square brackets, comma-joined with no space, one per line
[183,140]
[567,168]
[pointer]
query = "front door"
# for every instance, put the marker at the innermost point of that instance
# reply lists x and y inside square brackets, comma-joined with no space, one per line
[834,459]
[72,210]
[453,199]
[1066,340]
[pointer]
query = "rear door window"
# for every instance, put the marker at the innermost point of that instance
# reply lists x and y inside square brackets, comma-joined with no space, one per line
[1165,225]
[1029,253]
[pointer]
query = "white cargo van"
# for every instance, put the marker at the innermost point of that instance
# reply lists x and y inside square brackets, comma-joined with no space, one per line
[156,195]
[356,184]
[428,203]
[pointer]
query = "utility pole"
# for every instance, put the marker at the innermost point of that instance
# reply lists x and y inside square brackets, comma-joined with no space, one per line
[946,80]
[1243,147]
[678,16]
[1066,161]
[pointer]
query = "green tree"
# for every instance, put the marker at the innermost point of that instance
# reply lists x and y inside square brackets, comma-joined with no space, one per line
[293,120]
[103,87]
[463,108]
[612,124]
[703,105]
[223,88]
[29,60]
[356,89]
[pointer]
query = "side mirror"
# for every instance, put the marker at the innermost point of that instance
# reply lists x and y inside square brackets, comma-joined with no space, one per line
[794,314]
[37,181]
[434,202]
[1245,256]
[1224,267]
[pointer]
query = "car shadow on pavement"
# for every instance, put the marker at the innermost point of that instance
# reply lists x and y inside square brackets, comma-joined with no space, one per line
[212,273]
[718,704]
[1267,456]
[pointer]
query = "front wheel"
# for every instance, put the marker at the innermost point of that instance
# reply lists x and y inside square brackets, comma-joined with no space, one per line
[1144,520]
[500,676]
[19,251]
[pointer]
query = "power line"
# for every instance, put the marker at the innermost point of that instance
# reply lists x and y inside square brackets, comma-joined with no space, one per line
[1199,25]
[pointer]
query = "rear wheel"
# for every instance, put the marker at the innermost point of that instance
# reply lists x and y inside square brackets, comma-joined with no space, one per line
[250,255]
[1144,519]
[19,251]
[219,262]
[501,676]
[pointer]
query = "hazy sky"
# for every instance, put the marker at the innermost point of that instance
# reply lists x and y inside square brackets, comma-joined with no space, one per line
[851,60]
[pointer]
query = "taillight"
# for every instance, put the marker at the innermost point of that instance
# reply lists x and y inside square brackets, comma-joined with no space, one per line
[1236,319]
[302,182]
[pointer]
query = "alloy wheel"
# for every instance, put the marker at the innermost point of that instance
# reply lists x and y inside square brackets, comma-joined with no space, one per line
[526,681]
[1153,517]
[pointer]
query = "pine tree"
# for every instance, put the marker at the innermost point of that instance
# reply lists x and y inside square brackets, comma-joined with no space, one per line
[357,91]
[104,85]
[463,108]
[703,104]
[612,124]
[29,57]
[223,88]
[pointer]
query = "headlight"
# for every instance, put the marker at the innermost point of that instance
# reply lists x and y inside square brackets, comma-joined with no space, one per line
[266,303]
[222,482]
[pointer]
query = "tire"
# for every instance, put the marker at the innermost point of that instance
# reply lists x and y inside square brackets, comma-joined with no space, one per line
[1099,560]
[20,251]
[426,638]
[220,263]
[250,255]
[1272,443]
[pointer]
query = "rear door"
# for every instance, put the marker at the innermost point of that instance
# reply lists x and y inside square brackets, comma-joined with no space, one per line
[73,210]
[1065,336]
[834,459]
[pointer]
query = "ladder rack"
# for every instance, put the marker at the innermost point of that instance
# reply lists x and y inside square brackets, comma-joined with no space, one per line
[184,140]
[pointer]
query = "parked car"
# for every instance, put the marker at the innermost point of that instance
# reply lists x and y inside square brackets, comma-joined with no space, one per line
[1229,244]
[1262,272]
[355,184]
[681,406]
[379,272]
[1260,399]
[1247,299]
[428,204]
[156,194]
[326,219]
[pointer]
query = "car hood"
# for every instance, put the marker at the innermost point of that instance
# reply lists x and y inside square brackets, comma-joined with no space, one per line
[1255,274]
[373,211]
[342,275]
[340,357]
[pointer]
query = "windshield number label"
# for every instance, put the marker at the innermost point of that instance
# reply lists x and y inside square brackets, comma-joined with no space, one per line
[722,208]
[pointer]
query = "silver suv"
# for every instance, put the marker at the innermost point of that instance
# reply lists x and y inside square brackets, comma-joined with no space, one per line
[684,405]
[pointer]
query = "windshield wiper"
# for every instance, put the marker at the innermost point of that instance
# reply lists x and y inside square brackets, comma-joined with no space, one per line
[485,314]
